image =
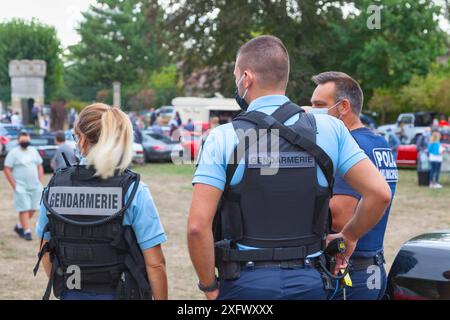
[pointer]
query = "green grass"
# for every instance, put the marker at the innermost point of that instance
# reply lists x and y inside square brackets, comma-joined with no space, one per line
[170,169]
[409,185]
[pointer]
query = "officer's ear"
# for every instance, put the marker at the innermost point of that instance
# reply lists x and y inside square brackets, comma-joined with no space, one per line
[346,107]
[249,78]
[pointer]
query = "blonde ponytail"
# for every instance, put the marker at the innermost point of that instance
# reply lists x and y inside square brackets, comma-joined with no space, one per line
[110,133]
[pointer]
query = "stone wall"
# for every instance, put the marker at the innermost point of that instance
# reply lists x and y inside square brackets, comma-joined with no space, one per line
[27,81]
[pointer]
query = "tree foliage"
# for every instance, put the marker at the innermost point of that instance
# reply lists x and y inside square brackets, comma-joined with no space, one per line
[20,39]
[320,35]
[120,41]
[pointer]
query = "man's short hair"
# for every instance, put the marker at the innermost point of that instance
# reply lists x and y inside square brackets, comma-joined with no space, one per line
[23,133]
[346,88]
[268,58]
[60,136]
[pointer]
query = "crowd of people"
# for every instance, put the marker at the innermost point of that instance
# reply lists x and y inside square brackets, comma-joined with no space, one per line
[431,153]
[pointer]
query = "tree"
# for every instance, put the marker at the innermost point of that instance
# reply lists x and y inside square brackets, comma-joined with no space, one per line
[30,40]
[407,43]
[120,41]
[385,102]
[430,92]
[166,84]
[211,32]
[319,35]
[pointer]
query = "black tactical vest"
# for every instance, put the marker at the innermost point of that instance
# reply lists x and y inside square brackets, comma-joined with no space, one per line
[285,214]
[85,215]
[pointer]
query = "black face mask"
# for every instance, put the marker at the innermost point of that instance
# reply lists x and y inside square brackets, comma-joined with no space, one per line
[240,100]
[24,144]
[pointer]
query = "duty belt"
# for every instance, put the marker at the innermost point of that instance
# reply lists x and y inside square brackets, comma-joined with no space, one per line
[364,263]
[297,263]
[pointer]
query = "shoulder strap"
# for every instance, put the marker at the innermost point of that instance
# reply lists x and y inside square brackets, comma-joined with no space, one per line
[264,121]
[282,114]
[136,178]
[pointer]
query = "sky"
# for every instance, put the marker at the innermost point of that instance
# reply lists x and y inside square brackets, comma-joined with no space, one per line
[64,15]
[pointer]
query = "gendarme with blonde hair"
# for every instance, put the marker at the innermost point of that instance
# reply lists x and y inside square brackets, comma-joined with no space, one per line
[106,134]
[98,216]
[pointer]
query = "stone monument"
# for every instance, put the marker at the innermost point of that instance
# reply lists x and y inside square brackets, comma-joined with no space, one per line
[27,84]
[116,94]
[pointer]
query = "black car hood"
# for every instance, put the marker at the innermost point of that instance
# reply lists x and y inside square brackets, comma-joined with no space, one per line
[425,257]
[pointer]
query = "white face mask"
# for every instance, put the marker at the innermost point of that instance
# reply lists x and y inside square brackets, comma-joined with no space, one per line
[323,110]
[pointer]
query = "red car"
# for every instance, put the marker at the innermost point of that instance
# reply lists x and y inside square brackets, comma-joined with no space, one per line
[407,155]
[191,142]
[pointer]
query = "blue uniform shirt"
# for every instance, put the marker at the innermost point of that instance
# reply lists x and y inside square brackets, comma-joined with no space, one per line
[142,216]
[377,149]
[332,136]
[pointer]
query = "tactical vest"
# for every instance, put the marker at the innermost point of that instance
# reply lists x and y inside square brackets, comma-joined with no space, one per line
[85,220]
[285,215]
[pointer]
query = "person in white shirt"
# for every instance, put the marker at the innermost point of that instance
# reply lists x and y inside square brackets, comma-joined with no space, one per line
[16,120]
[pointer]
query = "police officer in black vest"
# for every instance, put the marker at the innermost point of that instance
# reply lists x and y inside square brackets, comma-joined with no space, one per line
[266,180]
[101,233]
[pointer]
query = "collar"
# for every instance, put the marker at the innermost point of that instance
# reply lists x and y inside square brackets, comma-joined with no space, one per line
[267,101]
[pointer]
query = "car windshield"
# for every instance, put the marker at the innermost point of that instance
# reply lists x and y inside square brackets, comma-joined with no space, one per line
[406,119]
[160,137]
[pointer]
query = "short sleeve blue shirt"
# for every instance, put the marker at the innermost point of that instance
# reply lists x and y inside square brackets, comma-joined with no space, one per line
[378,151]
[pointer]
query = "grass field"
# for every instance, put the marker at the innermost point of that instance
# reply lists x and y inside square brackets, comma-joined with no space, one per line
[415,210]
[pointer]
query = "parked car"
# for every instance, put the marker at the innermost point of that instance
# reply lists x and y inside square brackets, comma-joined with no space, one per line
[138,154]
[44,144]
[158,147]
[421,269]
[410,125]
[9,131]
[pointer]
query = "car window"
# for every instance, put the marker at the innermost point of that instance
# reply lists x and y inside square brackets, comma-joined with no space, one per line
[160,137]
[406,120]
[42,141]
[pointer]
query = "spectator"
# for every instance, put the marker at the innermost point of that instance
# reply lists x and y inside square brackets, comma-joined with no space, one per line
[178,119]
[8,116]
[24,172]
[58,161]
[214,122]
[73,115]
[35,114]
[435,150]
[138,138]
[435,123]
[423,140]
[393,141]
[189,126]
[173,130]
[16,120]
[153,116]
